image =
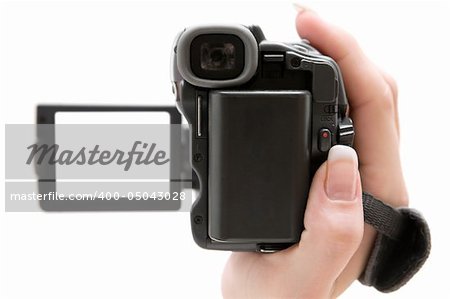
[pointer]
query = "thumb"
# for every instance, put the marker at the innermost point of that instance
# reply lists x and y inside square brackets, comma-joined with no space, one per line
[334,223]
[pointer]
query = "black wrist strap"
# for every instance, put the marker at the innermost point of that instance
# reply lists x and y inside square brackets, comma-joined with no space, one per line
[401,247]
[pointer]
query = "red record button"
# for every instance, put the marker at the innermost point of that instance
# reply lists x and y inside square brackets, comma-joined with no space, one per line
[324,140]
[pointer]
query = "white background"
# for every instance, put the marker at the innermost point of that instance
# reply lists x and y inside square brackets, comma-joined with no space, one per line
[118,53]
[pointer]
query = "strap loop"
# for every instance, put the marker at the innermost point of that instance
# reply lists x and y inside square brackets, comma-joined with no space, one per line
[383,218]
[401,248]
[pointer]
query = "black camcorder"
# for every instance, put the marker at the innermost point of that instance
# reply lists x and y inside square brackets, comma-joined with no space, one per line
[262,118]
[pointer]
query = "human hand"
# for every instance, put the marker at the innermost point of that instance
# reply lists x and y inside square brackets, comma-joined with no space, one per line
[335,244]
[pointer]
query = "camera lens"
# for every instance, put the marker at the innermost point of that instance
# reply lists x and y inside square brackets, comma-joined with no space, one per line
[217,56]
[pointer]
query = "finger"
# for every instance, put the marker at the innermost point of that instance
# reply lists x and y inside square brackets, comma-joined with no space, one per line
[367,84]
[372,107]
[394,90]
[334,224]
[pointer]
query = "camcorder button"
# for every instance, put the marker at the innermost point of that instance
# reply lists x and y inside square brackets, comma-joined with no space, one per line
[324,140]
[273,57]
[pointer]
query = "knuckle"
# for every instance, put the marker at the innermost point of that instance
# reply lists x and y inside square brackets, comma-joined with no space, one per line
[387,102]
[392,84]
[394,87]
[390,92]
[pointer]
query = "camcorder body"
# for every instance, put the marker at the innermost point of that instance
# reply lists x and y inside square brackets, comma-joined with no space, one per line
[262,118]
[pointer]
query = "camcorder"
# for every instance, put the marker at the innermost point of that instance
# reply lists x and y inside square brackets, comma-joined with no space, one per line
[262,118]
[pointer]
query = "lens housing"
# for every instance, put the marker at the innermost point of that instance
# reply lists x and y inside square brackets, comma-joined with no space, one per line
[217,56]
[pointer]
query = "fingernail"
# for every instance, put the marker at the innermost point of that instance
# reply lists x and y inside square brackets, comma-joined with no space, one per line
[300,8]
[342,173]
